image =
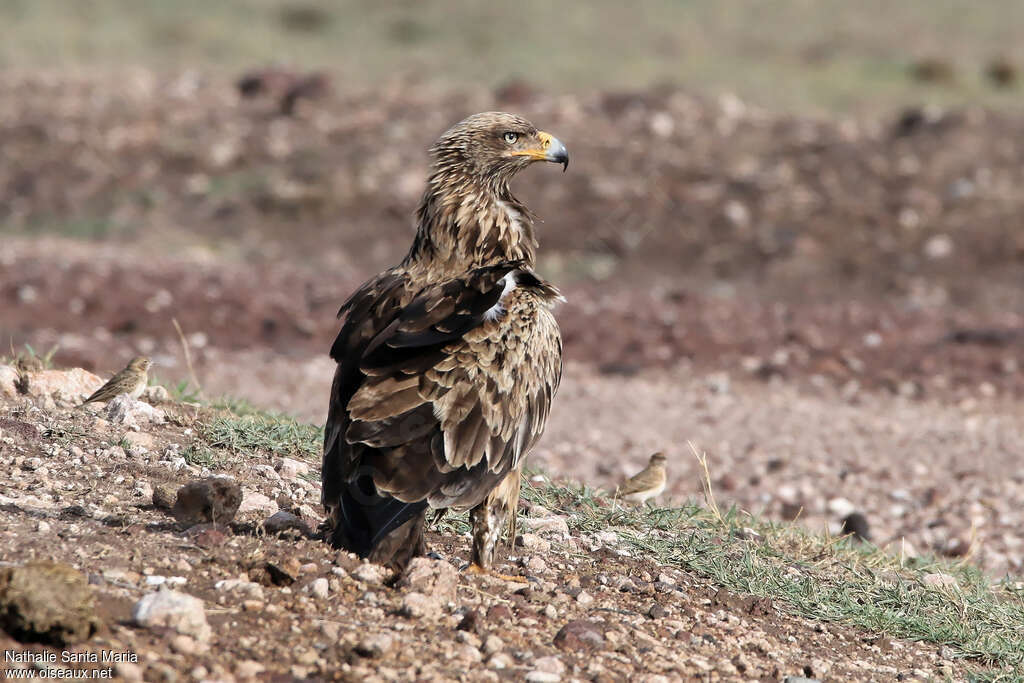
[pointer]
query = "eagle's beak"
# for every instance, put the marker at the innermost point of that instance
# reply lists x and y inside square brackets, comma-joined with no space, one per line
[553,150]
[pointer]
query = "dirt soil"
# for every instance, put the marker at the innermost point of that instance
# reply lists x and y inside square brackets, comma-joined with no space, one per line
[270,620]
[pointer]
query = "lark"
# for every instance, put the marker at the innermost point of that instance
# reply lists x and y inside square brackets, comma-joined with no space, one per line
[132,381]
[647,484]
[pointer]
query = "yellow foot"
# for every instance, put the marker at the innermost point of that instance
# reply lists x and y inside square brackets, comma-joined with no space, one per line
[477,569]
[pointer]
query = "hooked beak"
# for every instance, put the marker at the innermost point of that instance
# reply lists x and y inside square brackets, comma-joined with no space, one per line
[554,150]
[551,149]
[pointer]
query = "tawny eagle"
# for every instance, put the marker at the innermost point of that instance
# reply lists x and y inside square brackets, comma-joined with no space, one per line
[447,363]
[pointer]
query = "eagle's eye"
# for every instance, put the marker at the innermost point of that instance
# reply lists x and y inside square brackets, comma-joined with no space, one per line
[511,137]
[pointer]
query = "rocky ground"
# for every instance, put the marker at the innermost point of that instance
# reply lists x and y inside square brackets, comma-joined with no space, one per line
[96,489]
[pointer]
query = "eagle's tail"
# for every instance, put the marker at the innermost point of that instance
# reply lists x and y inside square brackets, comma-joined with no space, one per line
[377,527]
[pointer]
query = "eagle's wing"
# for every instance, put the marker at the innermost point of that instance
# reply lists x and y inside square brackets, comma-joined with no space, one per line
[439,394]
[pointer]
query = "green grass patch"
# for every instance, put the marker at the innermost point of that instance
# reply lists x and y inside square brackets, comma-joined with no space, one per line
[814,576]
[266,433]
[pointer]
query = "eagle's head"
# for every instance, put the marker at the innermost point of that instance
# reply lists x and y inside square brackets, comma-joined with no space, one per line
[494,146]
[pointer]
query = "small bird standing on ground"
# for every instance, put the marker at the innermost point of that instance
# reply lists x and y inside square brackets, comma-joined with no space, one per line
[132,381]
[647,484]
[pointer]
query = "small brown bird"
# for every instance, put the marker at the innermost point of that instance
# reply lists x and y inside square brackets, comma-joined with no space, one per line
[132,381]
[647,484]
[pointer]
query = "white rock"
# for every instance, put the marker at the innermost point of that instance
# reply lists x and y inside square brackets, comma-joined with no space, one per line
[255,502]
[840,507]
[289,468]
[242,587]
[180,611]
[370,573]
[66,386]
[249,669]
[319,588]
[156,395]
[125,410]
[8,381]
[551,524]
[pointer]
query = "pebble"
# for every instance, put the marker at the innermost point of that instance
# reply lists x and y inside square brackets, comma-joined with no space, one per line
[289,468]
[418,606]
[375,645]
[180,611]
[319,588]
[493,644]
[255,502]
[435,578]
[370,573]
[249,669]
[212,500]
[579,634]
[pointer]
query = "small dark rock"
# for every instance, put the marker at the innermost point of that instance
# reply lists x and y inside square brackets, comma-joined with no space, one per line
[282,521]
[270,574]
[215,500]
[579,635]
[791,511]
[47,602]
[498,614]
[470,622]
[855,524]
[657,612]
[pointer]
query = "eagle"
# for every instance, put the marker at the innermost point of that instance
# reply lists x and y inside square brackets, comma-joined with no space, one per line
[448,362]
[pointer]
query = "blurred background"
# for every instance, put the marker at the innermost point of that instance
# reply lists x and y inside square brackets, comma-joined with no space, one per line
[807,196]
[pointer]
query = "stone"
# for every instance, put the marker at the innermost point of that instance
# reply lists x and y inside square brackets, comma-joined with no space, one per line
[47,602]
[493,644]
[125,410]
[579,634]
[128,671]
[214,500]
[249,590]
[249,669]
[319,588]
[533,542]
[370,573]
[139,443]
[375,645]
[856,525]
[8,381]
[255,502]
[282,521]
[435,578]
[550,664]
[289,468]
[550,524]
[164,496]
[419,606]
[155,395]
[179,611]
[69,387]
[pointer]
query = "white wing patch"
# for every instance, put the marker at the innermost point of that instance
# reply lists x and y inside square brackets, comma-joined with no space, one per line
[498,309]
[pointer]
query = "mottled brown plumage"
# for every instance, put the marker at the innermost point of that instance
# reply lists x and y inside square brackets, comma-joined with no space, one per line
[447,363]
[132,381]
[645,484]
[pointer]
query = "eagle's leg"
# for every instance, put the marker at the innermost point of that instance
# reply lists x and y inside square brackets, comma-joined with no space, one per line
[489,519]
